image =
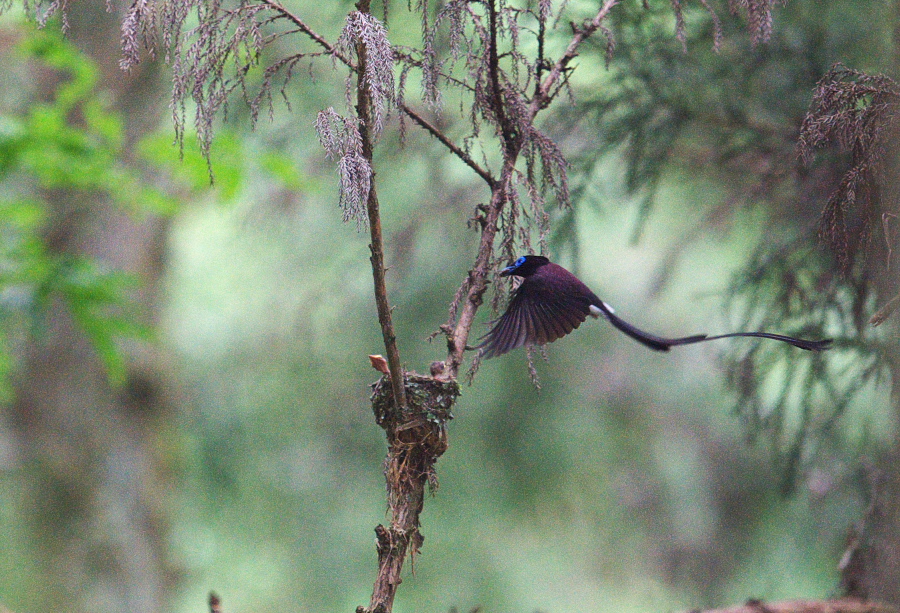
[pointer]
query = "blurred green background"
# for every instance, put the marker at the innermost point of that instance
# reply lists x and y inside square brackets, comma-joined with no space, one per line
[625,483]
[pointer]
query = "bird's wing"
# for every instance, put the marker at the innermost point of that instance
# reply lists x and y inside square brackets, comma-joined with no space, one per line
[544,309]
[537,314]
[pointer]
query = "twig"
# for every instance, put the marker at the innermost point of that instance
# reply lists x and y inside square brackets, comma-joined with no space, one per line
[416,117]
[886,311]
[462,155]
[499,108]
[376,246]
[839,605]
[476,282]
[544,96]
[888,243]
[301,25]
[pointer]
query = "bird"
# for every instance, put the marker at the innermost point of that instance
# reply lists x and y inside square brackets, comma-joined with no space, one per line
[551,302]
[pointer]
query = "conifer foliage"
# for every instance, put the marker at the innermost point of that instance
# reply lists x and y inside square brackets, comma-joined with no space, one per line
[504,63]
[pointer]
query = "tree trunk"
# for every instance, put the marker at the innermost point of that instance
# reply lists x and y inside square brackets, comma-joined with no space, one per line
[871,565]
[96,496]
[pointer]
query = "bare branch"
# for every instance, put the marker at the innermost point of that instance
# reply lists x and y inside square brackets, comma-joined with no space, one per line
[303,27]
[516,129]
[454,149]
[839,605]
[364,110]
[544,97]
[416,117]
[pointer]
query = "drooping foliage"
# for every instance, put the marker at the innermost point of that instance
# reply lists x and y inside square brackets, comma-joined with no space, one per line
[663,114]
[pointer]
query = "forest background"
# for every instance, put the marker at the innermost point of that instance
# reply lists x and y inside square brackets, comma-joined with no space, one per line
[186,381]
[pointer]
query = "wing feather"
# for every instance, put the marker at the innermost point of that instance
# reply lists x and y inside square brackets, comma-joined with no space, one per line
[552,302]
[538,313]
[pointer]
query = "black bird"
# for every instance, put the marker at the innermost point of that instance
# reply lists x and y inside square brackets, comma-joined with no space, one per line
[551,302]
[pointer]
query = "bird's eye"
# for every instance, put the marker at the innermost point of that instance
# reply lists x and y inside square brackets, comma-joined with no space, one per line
[520,261]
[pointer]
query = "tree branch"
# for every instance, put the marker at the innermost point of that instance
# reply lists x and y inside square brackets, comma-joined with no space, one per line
[462,155]
[544,96]
[416,439]
[476,282]
[509,133]
[363,110]
[416,434]
[303,27]
[416,442]
[839,605]
[416,117]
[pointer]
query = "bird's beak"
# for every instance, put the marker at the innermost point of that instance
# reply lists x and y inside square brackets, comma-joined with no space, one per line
[507,271]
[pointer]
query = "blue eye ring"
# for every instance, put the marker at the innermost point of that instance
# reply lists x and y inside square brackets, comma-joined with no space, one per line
[520,261]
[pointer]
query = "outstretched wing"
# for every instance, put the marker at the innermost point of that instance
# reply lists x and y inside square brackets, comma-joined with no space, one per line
[538,313]
[546,307]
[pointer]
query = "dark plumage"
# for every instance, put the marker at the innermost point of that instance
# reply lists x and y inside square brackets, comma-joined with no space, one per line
[551,302]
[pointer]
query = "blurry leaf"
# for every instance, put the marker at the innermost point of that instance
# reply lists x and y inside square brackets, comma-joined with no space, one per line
[53,50]
[71,142]
[99,305]
[22,214]
[191,168]
[130,191]
[285,170]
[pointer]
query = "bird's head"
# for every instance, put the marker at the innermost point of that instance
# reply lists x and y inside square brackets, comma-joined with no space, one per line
[525,266]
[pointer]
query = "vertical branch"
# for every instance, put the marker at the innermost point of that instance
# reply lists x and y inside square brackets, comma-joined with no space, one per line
[539,64]
[416,439]
[498,106]
[512,141]
[363,110]
[416,434]
[476,283]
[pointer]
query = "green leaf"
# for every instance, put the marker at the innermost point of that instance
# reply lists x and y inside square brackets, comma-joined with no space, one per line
[283,168]
[6,368]
[191,168]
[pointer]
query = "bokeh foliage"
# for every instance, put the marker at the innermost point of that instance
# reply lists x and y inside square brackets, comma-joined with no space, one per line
[724,108]
[71,141]
[624,483]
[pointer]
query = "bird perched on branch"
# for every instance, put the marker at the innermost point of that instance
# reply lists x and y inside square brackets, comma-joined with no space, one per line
[551,302]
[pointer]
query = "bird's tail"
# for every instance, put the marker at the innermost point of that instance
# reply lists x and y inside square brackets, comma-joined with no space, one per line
[800,343]
[656,343]
[660,343]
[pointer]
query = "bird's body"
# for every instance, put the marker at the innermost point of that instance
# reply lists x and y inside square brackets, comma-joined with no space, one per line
[551,302]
